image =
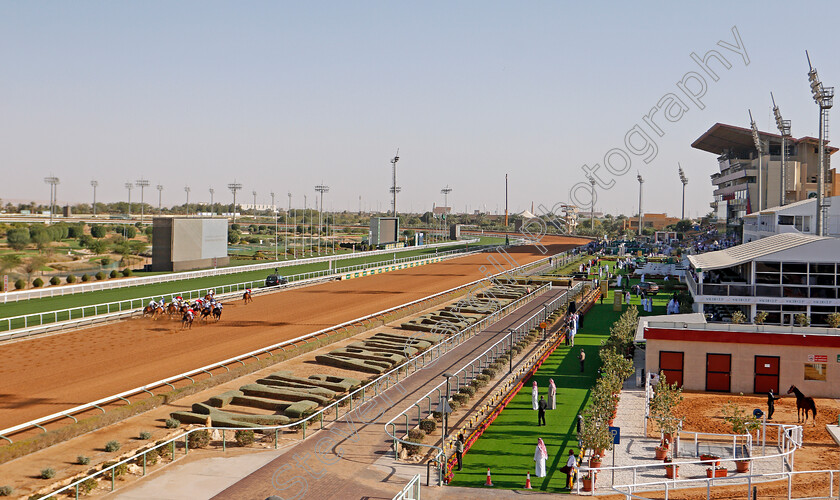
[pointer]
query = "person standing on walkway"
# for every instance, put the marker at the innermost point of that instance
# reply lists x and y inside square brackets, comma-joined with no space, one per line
[552,394]
[627,297]
[569,468]
[540,456]
[459,449]
[534,393]
[582,358]
[541,406]
[771,404]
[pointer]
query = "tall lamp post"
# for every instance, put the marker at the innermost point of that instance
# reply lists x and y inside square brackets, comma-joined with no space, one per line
[159,187]
[592,206]
[128,186]
[187,206]
[759,147]
[394,189]
[94,184]
[212,192]
[53,182]
[286,253]
[234,187]
[274,209]
[684,181]
[255,205]
[142,184]
[824,97]
[784,131]
[641,215]
[320,189]
[445,407]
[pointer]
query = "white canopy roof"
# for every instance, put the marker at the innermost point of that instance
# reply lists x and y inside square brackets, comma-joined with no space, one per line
[747,252]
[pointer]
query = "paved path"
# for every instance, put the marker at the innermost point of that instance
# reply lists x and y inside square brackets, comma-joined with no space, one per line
[351,458]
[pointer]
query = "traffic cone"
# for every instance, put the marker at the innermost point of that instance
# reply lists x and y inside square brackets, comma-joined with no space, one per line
[489,481]
[528,482]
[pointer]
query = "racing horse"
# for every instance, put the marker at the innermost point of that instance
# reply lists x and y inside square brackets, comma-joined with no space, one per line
[247,296]
[205,313]
[186,321]
[803,405]
[171,309]
[154,312]
[217,312]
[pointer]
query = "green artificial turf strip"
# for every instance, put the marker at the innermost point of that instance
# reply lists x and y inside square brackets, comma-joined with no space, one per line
[100,297]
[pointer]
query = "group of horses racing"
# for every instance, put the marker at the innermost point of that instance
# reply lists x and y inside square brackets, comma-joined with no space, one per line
[203,308]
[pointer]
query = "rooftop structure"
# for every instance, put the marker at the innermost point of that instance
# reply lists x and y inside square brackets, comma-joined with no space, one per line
[797,218]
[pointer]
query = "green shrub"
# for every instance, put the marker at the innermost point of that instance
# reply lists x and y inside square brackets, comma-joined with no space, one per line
[127,272]
[415,436]
[428,425]
[483,377]
[244,438]
[47,473]
[105,261]
[112,446]
[164,451]
[38,283]
[460,398]
[145,435]
[478,384]
[100,276]
[98,231]
[82,460]
[88,485]
[454,405]
[199,439]
[55,280]
[490,372]
[71,278]
[172,423]
[85,278]
[469,391]
[114,274]
[151,458]
[6,491]
[20,284]
[117,471]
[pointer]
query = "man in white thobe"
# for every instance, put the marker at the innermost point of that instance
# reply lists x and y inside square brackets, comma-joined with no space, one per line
[552,395]
[540,456]
[535,395]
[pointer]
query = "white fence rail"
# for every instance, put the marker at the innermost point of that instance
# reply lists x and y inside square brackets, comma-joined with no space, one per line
[14,324]
[59,291]
[348,400]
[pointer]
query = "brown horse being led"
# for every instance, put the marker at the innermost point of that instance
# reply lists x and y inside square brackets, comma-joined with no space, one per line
[247,297]
[804,403]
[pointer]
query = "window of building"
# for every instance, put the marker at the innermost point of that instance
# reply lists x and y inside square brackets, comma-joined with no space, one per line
[802,223]
[768,267]
[786,220]
[826,268]
[815,371]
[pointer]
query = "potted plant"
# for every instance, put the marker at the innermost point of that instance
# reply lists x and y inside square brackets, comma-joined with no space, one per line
[595,461]
[588,481]
[661,451]
[665,399]
[716,471]
[672,471]
[743,422]
[712,460]
[595,433]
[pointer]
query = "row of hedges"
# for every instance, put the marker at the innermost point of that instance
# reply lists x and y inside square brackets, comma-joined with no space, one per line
[20,284]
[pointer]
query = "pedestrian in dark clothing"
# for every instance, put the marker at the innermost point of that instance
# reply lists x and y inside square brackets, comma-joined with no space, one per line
[771,404]
[582,358]
[459,449]
[602,299]
[541,406]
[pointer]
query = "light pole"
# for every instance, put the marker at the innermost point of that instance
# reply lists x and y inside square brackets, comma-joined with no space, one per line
[592,205]
[445,408]
[128,186]
[187,206]
[824,97]
[234,187]
[53,182]
[93,185]
[445,192]
[641,215]
[212,192]
[159,187]
[255,206]
[784,131]
[286,253]
[321,189]
[684,181]
[303,223]
[394,189]
[142,183]
[759,149]
[274,209]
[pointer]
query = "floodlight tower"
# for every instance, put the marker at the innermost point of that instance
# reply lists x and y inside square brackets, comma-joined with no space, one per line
[592,207]
[445,192]
[142,184]
[273,209]
[641,216]
[784,131]
[212,192]
[93,184]
[286,253]
[759,147]
[234,187]
[321,189]
[394,188]
[824,97]
[684,181]
[187,206]
[129,186]
[159,187]
[53,182]
[255,205]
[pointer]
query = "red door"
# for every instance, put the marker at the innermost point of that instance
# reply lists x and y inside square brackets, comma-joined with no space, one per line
[671,364]
[766,374]
[718,372]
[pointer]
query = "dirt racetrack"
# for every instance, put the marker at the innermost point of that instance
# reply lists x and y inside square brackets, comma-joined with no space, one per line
[49,374]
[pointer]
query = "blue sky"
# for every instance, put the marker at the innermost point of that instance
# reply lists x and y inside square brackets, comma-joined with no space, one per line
[284,95]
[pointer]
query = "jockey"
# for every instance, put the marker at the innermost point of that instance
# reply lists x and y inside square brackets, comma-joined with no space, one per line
[212,293]
[153,304]
[248,290]
[218,306]
[190,312]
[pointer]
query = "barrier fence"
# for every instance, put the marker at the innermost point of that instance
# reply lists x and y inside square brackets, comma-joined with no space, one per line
[362,394]
[164,278]
[24,321]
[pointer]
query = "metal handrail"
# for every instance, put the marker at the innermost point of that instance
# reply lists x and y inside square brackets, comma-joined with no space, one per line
[16,296]
[129,304]
[146,388]
[348,397]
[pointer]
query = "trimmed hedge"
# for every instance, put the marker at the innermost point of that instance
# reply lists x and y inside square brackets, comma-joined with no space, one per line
[100,276]
[55,280]
[199,439]
[460,398]
[38,283]
[415,435]
[469,391]
[71,278]
[172,423]
[114,274]
[85,278]
[244,438]
[428,425]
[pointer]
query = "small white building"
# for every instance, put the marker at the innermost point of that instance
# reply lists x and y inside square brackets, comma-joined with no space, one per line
[797,218]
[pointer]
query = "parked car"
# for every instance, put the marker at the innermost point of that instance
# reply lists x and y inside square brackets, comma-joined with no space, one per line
[275,280]
[646,286]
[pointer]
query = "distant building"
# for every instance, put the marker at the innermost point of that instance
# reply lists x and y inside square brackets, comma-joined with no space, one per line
[185,243]
[795,218]
[442,210]
[657,222]
[736,186]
